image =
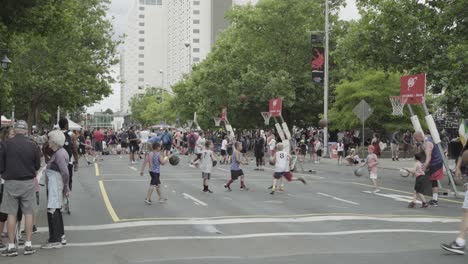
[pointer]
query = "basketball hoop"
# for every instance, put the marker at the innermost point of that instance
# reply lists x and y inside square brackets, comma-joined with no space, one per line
[398,104]
[217,121]
[266,116]
[190,123]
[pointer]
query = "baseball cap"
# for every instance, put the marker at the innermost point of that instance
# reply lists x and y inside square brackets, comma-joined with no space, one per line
[21,124]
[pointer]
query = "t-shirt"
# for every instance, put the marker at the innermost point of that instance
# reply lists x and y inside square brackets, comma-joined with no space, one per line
[418,171]
[200,145]
[124,137]
[224,144]
[132,135]
[340,147]
[282,161]
[155,163]
[144,136]
[98,136]
[206,161]
[272,144]
[372,162]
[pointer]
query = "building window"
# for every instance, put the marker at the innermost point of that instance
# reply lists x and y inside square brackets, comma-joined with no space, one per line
[196,59]
[141,71]
[141,24]
[141,47]
[196,2]
[159,2]
[196,12]
[142,2]
[141,32]
[196,31]
[196,49]
[196,40]
[196,21]
[141,63]
[141,79]
[142,8]
[141,40]
[141,16]
[141,55]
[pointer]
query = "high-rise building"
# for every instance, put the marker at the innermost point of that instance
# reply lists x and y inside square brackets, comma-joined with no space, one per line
[165,38]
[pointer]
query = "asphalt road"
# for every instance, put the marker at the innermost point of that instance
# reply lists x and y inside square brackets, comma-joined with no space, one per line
[333,219]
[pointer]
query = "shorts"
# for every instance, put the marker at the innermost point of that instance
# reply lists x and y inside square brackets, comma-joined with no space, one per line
[229,151]
[373,176]
[465,203]
[133,147]
[18,193]
[303,151]
[236,174]
[223,152]
[198,156]
[167,147]
[124,145]
[419,184]
[340,153]
[155,181]
[98,146]
[288,176]
[146,147]
[278,175]
[319,153]
[206,175]
[436,172]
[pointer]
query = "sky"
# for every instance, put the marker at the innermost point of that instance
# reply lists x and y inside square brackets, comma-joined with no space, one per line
[118,12]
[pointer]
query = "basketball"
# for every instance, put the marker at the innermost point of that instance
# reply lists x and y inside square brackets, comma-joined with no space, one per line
[174,160]
[242,97]
[272,161]
[323,123]
[359,171]
[404,173]
[215,163]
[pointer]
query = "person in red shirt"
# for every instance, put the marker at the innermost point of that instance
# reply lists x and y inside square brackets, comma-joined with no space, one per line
[98,138]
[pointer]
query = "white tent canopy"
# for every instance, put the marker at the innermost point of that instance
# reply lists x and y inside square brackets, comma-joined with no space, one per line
[73,126]
[5,120]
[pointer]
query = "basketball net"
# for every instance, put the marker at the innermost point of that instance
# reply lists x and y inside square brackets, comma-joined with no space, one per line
[217,121]
[266,117]
[398,104]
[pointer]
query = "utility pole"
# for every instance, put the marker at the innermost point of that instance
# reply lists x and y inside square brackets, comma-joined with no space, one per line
[325,86]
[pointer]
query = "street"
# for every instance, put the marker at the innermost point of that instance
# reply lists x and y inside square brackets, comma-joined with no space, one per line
[334,218]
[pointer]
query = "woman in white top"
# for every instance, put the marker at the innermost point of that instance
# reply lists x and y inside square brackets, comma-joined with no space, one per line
[340,150]
[272,144]
[224,149]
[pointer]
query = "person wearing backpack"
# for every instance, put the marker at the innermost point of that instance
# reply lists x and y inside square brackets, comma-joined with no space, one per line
[167,142]
[70,147]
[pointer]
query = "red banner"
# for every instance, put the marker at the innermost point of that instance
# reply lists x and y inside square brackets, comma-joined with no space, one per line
[275,106]
[224,114]
[318,64]
[413,87]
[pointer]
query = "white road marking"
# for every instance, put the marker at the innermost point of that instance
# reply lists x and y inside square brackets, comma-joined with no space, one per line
[227,198]
[133,168]
[259,235]
[274,202]
[173,191]
[396,197]
[256,220]
[209,229]
[336,198]
[188,196]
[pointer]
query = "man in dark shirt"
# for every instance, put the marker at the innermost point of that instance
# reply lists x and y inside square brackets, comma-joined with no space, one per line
[132,138]
[20,159]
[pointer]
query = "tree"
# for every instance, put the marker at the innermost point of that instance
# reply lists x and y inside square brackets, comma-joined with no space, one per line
[374,87]
[109,111]
[410,36]
[62,59]
[265,53]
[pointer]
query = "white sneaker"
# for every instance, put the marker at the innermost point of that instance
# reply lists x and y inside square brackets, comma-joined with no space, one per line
[377,190]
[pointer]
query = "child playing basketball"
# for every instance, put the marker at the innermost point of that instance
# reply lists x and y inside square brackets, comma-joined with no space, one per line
[282,162]
[155,160]
[372,162]
[88,150]
[207,158]
[418,172]
[236,171]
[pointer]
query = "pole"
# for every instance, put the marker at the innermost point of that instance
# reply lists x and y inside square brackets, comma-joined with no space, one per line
[325,92]
[436,139]
[363,139]
[12,115]
[58,114]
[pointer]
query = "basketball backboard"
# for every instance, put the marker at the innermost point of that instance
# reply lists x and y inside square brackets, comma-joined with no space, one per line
[413,88]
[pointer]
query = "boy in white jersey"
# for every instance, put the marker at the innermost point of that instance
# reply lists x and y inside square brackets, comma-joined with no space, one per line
[207,160]
[282,162]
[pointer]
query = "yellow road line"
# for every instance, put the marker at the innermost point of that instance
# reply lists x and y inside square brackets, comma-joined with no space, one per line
[96,168]
[442,199]
[287,216]
[107,202]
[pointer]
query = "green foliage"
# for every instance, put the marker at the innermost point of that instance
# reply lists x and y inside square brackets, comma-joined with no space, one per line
[153,107]
[61,59]
[374,87]
[264,54]
[409,36]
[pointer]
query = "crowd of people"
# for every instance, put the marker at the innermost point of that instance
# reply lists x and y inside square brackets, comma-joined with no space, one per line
[21,157]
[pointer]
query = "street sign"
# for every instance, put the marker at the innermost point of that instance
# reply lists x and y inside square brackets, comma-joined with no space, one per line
[363,110]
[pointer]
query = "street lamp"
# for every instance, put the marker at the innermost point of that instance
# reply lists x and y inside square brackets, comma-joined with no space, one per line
[4,62]
[162,78]
[189,46]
